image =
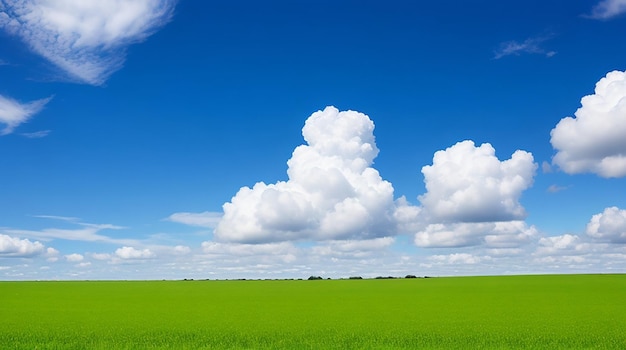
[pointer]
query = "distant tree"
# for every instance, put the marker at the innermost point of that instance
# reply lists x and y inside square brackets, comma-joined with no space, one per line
[410,276]
[315,278]
[356,278]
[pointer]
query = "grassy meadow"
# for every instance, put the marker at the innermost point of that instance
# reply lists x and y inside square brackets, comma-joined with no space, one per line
[509,312]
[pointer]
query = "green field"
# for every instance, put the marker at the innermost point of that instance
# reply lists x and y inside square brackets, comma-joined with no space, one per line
[512,312]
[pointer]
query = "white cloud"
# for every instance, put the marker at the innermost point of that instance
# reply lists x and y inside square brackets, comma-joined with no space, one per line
[564,245]
[14,113]
[332,192]
[608,9]
[457,258]
[86,39]
[19,248]
[609,225]
[469,184]
[242,249]
[594,140]
[530,45]
[204,219]
[52,254]
[74,258]
[88,233]
[505,234]
[130,253]
[101,256]
[350,249]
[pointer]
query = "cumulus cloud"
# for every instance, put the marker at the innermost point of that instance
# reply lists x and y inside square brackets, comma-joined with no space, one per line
[130,253]
[571,250]
[505,234]
[74,258]
[469,184]
[609,226]
[14,113]
[593,141]
[19,248]
[608,9]
[52,254]
[332,191]
[530,45]
[205,219]
[86,39]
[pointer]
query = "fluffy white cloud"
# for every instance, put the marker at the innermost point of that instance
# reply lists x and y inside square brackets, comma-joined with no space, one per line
[86,38]
[133,253]
[14,113]
[52,254]
[469,184]
[594,140]
[332,191]
[607,9]
[74,258]
[609,225]
[504,234]
[19,248]
[204,219]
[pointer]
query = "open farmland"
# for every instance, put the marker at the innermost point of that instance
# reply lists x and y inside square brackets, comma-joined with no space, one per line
[525,312]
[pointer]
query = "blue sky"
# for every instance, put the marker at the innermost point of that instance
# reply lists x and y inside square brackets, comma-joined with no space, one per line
[152,139]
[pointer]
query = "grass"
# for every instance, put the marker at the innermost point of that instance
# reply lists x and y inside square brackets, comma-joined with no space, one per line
[510,312]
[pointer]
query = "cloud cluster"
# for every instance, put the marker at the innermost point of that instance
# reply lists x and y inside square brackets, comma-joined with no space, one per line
[334,195]
[14,113]
[332,191]
[86,39]
[498,235]
[594,140]
[608,9]
[19,248]
[472,198]
[608,226]
[466,183]
[131,253]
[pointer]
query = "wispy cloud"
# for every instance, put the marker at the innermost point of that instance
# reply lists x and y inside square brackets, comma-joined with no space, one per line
[36,134]
[556,188]
[608,9]
[86,232]
[204,219]
[14,113]
[529,46]
[86,39]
